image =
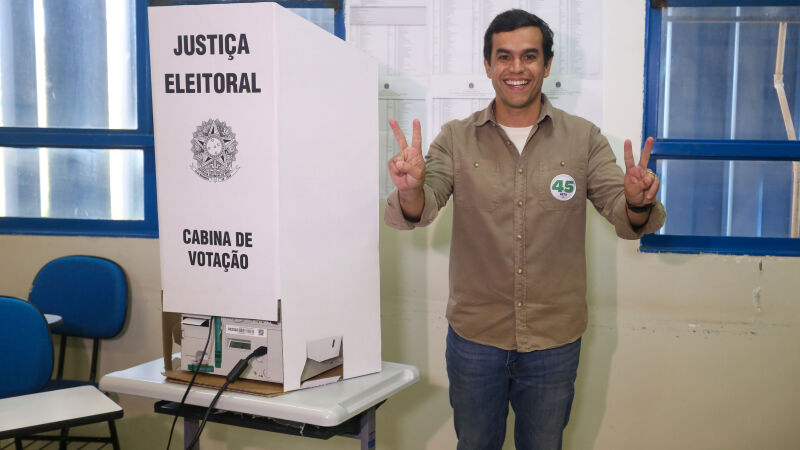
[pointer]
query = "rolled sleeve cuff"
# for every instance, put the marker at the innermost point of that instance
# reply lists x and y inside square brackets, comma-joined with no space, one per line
[623,225]
[393,215]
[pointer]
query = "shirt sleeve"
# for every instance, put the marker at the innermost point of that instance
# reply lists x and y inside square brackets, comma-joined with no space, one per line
[607,194]
[437,188]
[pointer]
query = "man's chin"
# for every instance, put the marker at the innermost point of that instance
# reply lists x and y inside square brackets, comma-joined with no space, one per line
[520,103]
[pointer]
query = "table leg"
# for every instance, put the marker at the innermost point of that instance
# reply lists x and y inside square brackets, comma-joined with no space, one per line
[367,432]
[190,427]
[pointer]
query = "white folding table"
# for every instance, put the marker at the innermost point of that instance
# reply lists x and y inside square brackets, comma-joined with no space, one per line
[344,408]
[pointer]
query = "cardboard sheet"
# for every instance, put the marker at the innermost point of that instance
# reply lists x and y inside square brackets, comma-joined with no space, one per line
[245,386]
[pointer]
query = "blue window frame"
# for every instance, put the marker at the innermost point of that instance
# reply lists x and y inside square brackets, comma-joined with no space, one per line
[76,139]
[72,113]
[724,149]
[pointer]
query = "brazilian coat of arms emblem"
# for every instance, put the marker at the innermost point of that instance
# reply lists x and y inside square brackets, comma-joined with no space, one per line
[214,149]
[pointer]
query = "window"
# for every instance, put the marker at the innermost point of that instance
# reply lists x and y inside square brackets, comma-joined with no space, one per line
[722,98]
[76,143]
[76,133]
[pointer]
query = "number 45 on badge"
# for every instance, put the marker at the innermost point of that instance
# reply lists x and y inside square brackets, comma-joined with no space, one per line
[562,187]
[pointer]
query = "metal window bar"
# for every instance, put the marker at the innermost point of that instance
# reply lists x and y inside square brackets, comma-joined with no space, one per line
[734,104]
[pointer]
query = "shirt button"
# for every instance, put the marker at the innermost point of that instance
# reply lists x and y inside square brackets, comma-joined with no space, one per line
[519,271]
[519,203]
[519,237]
[519,171]
[519,303]
[476,164]
[563,164]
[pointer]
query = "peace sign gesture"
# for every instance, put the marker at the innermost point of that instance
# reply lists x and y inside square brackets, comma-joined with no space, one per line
[407,168]
[641,183]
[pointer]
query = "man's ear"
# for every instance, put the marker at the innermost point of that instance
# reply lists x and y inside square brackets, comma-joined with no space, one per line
[488,67]
[547,67]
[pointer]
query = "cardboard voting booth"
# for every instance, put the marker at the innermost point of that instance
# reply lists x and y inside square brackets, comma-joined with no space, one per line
[266,145]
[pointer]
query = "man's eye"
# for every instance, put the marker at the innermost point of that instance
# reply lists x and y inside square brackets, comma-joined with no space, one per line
[502,57]
[530,57]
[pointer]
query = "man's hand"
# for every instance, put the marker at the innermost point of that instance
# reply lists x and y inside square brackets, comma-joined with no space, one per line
[641,183]
[407,170]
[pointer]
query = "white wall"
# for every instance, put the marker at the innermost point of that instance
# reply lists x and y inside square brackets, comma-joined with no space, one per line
[679,353]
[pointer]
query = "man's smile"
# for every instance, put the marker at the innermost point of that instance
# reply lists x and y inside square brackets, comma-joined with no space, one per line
[516,83]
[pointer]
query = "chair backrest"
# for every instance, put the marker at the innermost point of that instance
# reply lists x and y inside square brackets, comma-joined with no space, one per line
[25,346]
[88,292]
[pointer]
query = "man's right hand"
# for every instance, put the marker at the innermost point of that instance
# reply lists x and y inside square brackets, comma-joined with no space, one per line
[407,170]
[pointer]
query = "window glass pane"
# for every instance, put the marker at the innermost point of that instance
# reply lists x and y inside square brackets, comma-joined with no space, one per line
[67,183]
[718,67]
[68,64]
[323,17]
[726,198]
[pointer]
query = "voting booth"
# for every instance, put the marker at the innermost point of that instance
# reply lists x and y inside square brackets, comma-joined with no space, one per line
[266,146]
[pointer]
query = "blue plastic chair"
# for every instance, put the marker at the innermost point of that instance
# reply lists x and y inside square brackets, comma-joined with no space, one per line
[91,296]
[26,348]
[28,364]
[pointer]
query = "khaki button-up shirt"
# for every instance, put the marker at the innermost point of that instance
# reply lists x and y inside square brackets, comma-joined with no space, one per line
[517,255]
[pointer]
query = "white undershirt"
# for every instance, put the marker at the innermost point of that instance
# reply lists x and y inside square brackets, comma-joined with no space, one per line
[518,135]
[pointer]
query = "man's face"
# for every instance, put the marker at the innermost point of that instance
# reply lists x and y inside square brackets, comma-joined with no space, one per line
[517,67]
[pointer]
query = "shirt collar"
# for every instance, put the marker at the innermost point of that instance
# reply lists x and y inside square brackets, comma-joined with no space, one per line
[487,115]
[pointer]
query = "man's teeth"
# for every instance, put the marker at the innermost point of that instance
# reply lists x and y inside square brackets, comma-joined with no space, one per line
[516,82]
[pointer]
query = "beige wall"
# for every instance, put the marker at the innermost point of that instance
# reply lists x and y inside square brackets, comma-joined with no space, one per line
[679,354]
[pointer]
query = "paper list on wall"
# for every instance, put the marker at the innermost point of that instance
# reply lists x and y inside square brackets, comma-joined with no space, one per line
[401,99]
[577,29]
[455,97]
[457,28]
[396,36]
[579,96]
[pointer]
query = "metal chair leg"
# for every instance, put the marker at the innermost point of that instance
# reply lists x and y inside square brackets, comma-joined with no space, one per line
[62,351]
[95,353]
[62,445]
[112,429]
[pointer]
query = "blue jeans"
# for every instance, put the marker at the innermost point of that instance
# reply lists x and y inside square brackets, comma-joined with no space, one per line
[540,386]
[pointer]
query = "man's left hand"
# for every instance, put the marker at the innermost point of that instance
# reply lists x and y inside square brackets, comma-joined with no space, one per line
[641,183]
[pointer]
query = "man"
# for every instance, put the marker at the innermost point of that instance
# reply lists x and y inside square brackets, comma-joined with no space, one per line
[520,172]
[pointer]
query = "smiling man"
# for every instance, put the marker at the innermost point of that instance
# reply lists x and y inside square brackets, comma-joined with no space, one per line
[520,173]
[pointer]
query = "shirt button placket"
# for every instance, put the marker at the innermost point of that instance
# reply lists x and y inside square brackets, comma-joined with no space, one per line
[519,245]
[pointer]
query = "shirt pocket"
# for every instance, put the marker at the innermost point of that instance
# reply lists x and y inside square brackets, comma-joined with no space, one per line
[561,188]
[476,184]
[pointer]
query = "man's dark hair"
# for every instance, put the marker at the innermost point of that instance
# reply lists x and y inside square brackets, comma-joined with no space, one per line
[510,21]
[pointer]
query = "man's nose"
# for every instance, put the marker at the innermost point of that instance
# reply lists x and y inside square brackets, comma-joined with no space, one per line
[516,65]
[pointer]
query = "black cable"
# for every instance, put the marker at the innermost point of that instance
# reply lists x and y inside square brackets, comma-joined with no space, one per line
[235,373]
[196,370]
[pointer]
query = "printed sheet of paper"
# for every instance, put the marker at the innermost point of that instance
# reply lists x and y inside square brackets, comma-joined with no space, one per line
[396,35]
[455,97]
[401,99]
